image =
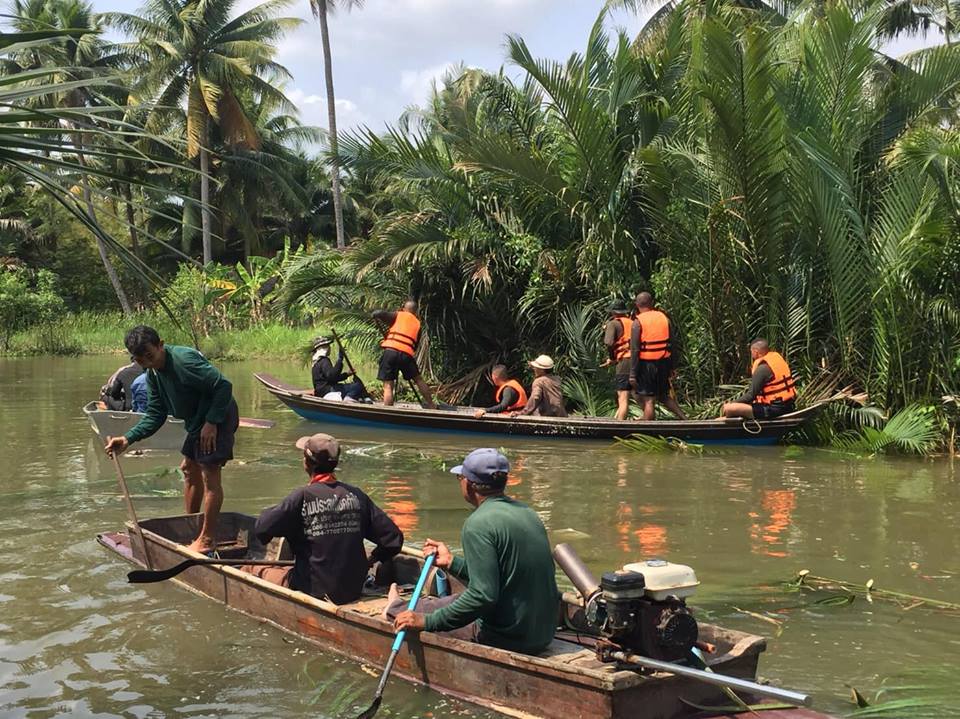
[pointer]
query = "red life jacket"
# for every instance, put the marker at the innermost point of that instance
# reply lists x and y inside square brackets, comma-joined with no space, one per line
[654,335]
[402,335]
[518,388]
[621,350]
[782,386]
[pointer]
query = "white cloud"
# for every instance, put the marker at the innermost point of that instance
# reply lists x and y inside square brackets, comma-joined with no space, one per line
[418,84]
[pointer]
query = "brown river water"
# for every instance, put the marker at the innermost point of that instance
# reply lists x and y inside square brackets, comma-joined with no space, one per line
[76,639]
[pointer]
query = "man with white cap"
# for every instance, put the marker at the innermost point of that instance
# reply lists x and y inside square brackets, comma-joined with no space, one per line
[546,393]
[328,377]
[512,599]
[325,523]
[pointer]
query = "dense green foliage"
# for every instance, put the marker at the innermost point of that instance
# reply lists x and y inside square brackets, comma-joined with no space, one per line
[764,171]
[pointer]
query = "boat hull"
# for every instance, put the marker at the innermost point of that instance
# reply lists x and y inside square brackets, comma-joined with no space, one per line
[567,682]
[730,431]
[113,423]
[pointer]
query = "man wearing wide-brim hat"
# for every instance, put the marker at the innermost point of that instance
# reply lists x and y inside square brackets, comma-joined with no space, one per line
[328,378]
[546,394]
[616,338]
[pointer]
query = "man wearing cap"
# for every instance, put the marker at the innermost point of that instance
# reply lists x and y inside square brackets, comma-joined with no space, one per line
[616,338]
[325,523]
[328,377]
[546,393]
[512,600]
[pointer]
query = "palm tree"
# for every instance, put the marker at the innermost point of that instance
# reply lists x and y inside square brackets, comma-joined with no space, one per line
[193,52]
[321,10]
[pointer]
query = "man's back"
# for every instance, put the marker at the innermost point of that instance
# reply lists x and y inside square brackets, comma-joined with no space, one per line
[510,568]
[326,523]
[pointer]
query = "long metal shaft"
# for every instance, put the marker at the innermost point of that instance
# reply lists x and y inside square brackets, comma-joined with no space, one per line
[720,680]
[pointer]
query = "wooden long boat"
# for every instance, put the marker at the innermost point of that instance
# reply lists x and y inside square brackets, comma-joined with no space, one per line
[565,682]
[113,423]
[461,419]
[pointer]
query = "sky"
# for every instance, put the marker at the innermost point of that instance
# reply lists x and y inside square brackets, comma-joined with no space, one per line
[387,54]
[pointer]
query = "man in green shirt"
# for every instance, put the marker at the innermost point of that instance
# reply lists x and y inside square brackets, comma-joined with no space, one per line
[182,383]
[512,600]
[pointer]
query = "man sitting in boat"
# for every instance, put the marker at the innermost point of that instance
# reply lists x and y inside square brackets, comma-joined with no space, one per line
[512,600]
[546,393]
[399,347]
[181,382]
[772,392]
[116,394]
[328,377]
[510,395]
[325,523]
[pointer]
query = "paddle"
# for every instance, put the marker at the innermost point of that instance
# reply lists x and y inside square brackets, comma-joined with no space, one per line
[398,642]
[131,512]
[346,358]
[146,576]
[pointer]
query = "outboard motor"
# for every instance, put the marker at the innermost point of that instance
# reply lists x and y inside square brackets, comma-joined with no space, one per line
[640,608]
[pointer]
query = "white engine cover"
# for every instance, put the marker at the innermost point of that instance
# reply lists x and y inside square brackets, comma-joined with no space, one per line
[664,579]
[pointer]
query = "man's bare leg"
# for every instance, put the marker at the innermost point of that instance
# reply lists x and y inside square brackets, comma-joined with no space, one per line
[192,486]
[737,409]
[425,393]
[388,392]
[212,502]
[671,404]
[623,403]
[649,405]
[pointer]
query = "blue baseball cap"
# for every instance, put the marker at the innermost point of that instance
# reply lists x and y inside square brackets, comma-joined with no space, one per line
[482,466]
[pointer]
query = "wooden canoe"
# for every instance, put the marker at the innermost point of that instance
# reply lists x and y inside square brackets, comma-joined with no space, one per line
[565,682]
[461,419]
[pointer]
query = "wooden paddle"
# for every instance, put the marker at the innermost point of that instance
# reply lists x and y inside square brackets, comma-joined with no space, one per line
[131,512]
[346,358]
[398,642]
[146,576]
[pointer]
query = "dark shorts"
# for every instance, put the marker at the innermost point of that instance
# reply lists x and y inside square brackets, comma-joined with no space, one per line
[653,378]
[773,410]
[621,380]
[393,363]
[226,433]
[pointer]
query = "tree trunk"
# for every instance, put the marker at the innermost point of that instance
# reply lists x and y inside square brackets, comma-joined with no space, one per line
[332,116]
[101,243]
[205,197]
[131,219]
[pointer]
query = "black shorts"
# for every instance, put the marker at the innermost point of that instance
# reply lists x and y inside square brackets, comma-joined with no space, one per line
[621,380]
[772,410]
[226,433]
[653,378]
[393,362]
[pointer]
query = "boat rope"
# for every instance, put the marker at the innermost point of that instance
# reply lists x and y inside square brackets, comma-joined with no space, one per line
[746,426]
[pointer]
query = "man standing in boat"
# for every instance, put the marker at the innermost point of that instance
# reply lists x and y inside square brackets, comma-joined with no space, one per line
[616,338]
[399,350]
[772,392]
[510,395]
[325,523]
[512,599]
[653,358]
[182,383]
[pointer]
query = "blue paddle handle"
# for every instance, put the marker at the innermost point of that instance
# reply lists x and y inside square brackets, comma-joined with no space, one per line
[414,598]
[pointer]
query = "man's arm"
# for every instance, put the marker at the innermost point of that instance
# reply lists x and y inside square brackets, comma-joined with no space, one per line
[760,378]
[509,396]
[481,595]
[674,344]
[610,336]
[385,316]
[382,531]
[155,415]
[198,373]
[282,520]
[536,395]
[634,349]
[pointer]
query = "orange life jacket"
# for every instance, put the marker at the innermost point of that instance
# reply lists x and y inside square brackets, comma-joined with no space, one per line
[621,350]
[402,335]
[781,387]
[654,335]
[518,388]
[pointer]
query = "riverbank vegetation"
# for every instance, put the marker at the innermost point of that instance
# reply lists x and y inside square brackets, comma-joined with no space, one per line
[765,170]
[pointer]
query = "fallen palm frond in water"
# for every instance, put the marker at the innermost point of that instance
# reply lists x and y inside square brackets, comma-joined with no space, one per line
[734,709]
[656,445]
[922,693]
[869,591]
